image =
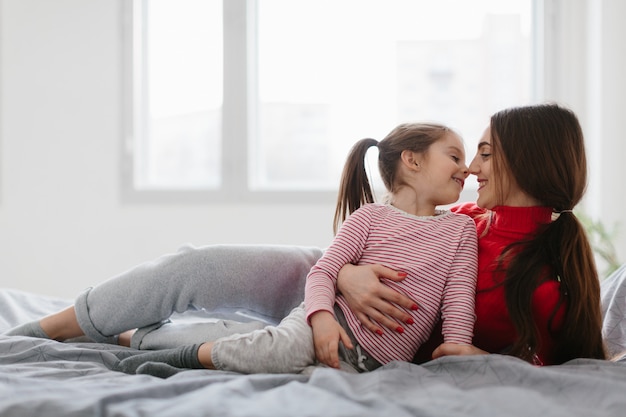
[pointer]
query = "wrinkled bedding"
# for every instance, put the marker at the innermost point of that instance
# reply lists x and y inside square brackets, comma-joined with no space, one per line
[46,378]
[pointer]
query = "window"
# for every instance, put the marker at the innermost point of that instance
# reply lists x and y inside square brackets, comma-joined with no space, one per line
[261,100]
[177,80]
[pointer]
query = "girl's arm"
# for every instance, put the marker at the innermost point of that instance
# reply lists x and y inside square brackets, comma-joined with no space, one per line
[459,294]
[451,349]
[371,300]
[327,333]
[458,304]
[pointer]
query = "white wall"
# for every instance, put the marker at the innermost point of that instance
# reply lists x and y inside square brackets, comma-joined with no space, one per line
[607,111]
[63,225]
[586,53]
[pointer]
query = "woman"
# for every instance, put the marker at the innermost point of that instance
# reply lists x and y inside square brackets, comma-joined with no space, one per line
[538,295]
[538,292]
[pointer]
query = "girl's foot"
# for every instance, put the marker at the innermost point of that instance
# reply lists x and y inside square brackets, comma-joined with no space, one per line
[30,329]
[62,326]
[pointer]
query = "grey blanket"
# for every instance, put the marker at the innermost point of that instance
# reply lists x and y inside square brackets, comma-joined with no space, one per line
[47,378]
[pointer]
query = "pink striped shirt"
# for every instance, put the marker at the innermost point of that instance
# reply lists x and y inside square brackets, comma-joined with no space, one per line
[438,253]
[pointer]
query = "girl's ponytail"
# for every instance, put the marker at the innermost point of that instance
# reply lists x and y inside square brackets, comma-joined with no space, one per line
[354,188]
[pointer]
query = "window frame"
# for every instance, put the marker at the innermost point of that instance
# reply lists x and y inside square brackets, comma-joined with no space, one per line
[237,119]
[239,87]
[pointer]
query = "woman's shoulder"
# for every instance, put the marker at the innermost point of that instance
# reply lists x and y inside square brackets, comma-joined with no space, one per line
[480,216]
[469,209]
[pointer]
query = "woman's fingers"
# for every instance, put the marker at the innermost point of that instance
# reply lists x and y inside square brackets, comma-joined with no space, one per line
[390,294]
[384,272]
[375,320]
[368,324]
[374,303]
[389,302]
[379,308]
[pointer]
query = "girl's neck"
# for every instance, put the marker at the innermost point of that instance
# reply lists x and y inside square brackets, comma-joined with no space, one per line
[407,201]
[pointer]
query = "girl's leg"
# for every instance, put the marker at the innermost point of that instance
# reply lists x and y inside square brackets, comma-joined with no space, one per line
[286,348]
[171,335]
[263,279]
[62,325]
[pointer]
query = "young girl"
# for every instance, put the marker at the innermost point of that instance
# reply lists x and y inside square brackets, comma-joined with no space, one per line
[422,167]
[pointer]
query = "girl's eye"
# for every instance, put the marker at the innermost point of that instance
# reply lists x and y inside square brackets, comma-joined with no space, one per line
[455,158]
[485,155]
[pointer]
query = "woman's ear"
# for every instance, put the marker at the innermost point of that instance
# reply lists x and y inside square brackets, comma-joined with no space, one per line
[410,160]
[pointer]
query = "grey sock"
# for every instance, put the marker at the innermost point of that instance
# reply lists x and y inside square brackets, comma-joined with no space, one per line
[33,329]
[30,329]
[161,370]
[185,357]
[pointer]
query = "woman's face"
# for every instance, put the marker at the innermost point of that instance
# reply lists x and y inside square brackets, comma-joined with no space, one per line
[481,167]
[489,182]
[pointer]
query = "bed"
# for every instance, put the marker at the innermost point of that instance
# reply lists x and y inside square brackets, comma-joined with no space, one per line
[46,378]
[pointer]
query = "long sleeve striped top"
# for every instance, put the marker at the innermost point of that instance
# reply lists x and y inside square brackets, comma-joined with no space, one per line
[439,255]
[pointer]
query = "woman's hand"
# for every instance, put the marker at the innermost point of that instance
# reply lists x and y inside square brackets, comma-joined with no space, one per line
[327,333]
[371,300]
[452,349]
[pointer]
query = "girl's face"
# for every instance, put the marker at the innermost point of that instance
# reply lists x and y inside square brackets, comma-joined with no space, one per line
[489,183]
[444,165]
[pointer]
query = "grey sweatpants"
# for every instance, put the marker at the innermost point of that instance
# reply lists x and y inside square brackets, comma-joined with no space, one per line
[286,348]
[264,280]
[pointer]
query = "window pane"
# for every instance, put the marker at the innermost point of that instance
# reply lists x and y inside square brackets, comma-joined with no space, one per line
[334,72]
[179,75]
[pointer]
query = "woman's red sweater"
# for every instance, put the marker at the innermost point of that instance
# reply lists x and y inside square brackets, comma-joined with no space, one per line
[494,331]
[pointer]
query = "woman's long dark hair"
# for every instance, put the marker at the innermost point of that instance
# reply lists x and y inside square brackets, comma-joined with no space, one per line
[355,189]
[542,148]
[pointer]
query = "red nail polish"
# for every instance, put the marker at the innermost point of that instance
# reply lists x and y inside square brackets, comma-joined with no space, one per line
[379,332]
[414,307]
[399,329]
[410,320]
[402,274]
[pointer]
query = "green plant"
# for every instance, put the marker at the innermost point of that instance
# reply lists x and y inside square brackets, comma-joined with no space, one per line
[601,242]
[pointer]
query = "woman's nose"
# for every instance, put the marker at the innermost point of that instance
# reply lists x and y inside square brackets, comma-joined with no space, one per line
[473,167]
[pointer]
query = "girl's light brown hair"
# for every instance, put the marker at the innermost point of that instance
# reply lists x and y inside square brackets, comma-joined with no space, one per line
[355,188]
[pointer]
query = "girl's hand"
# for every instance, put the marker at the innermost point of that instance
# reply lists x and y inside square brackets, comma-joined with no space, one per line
[452,349]
[327,333]
[371,300]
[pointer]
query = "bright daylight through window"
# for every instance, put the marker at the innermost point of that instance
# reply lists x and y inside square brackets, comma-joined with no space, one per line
[277,101]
